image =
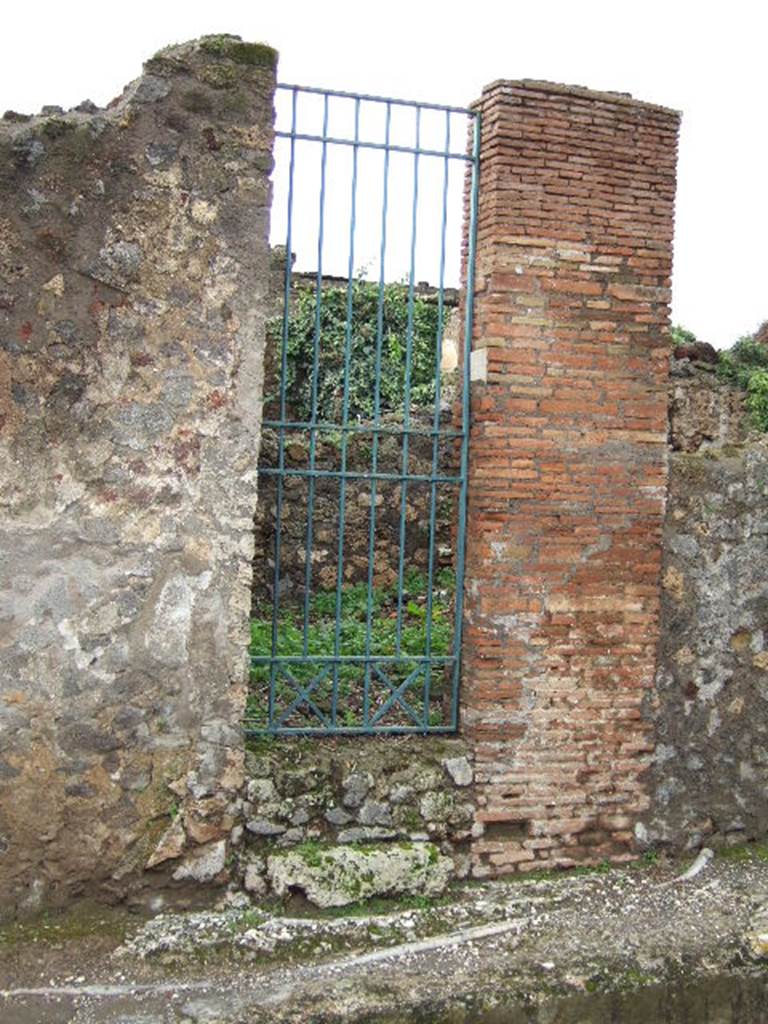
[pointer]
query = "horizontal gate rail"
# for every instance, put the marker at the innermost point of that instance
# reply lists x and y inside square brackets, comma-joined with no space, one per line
[361,144]
[360,428]
[347,475]
[387,100]
[379,653]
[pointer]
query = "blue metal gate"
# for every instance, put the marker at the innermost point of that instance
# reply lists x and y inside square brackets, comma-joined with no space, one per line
[357,373]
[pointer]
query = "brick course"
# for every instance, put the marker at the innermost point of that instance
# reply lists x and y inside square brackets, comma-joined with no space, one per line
[567,468]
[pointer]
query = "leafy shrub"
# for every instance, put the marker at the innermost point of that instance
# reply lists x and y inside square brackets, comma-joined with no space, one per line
[757,398]
[682,336]
[746,364]
[363,332]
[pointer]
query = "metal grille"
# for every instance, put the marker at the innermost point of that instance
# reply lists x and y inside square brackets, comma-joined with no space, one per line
[379,653]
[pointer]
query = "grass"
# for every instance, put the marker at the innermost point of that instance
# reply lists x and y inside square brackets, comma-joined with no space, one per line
[744,852]
[84,921]
[366,624]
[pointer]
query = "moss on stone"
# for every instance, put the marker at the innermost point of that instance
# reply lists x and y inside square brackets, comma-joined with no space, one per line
[410,818]
[166,62]
[59,926]
[55,127]
[234,101]
[744,852]
[311,853]
[220,76]
[234,49]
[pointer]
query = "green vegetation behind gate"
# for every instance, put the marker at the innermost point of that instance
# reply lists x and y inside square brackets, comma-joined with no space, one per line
[363,336]
[353,625]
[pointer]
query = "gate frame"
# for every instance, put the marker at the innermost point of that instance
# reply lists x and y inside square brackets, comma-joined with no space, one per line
[278,664]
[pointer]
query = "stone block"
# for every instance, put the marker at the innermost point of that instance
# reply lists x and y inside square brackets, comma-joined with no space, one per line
[337,876]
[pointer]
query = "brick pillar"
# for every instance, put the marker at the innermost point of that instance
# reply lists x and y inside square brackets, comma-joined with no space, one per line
[567,468]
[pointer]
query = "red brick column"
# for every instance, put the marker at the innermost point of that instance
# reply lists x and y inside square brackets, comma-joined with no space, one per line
[567,468]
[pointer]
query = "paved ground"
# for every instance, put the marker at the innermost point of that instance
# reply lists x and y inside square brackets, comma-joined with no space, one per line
[619,947]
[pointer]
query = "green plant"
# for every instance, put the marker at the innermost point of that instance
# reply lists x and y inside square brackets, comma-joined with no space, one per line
[682,336]
[311,853]
[746,364]
[321,639]
[401,330]
[745,852]
[235,49]
[757,398]
[248,919]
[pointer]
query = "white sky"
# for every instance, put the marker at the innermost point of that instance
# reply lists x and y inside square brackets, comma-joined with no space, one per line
[708,60]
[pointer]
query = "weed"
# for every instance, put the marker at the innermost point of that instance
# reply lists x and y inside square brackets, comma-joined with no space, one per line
[745,852]
[248,919]
[311,853]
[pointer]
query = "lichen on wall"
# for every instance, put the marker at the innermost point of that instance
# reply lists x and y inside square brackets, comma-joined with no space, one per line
[133,282]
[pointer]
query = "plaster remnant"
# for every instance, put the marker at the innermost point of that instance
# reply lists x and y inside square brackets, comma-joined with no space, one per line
[55,285]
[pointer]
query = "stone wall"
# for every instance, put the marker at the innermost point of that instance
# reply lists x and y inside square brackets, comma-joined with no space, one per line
[707,781]
[567,468]
[385,790]
[134,283]
[357,514]
[133,280]
[704,411]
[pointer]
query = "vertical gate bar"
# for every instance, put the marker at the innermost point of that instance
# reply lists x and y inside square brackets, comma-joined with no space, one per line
[281,429]
[376,419]
[345,418]
[407,388]
[436,422]
[465,423]
[315,384]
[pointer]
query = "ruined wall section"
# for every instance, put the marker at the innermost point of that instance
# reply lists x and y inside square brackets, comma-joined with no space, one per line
[133,279]
[567,468]
[358,491]
[708,709]
[355,791]
[705,411]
